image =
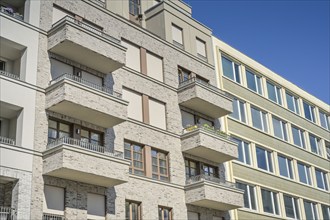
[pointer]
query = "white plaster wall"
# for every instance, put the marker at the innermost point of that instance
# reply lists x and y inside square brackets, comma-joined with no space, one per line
[15,159]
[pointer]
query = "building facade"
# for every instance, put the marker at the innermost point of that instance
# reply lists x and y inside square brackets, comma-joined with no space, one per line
[132,110]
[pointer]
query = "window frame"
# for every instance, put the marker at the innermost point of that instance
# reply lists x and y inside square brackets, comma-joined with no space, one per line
[311,110]
[256,84]
[278,94]
[301,134]
[326,209]
[233,63]
[313,209]
[159,175]
[161,210]
[263,116]
[139,210]
[326,120]
[307,173]
[317,141]
[324,179]
[283,127]
[244,146]
[239,105]
[248,191]
[288,166]
[198,54]
[295,102]
[274,198]
[267,155]
[58,122]
[132,151]
[295,206]
[174,42]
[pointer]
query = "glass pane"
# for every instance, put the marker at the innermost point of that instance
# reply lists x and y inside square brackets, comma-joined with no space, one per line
[326,212]
[279,97]
[227,68]
[52,124]
[237,74]
[267,201]
[242,110]
[261,158]
[63,134]
[271,92]
[138,164]
[160,215]
[153,153]
[277,128]
[134,211]
[253,200]
[137,148]
[246,196]
[264,119]
[166,214]
[95,136]
[240,151]
[127,211]
[52,133]
[307,111]
[297,135]
[297,105]
[289,210]
[235,113]
[313,143]
[319,179]
[247,153]
[270,161]
[127,145]
[250,77]
[139,172]
[277,212]
[290,103]
[162,163]
[154,161]
[259,85]
[283,166]
[163,171]
[308,210]
[256,118]
[64,127]
[302,174]
[137,156]
[154,169]
[127,154]
[84,133]
[162,156]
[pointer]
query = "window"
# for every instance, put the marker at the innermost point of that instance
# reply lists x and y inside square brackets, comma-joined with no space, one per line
[254,82]
[177,36]
[315,144]
[209,170]
[164,213]
[184,75]
[249,195]
[243,151]
[280,130]
[291,207]
[57,130]
[285,166]
[327,148]
[189,119]
[159,165]
[201,48]
[157,114]
[133,59]
[326,212]
[90,136]
[154,66]
[292,103]
[309,112]
[135,104]
[191,168]
[133,210]
[264,159]
[231,70]
[324,120]
[274,93]
[304,173]
[239,110]
[134,153]
[259,119]
[2,65]
[310,210]
[95,206]
[54,200]
[134,7]
[321,179]
[298,137]
[270,202]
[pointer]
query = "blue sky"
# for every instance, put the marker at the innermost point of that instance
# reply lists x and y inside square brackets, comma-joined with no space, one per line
[290,37]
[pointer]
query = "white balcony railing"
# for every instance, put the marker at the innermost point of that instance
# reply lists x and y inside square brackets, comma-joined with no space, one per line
[86,83]
[203,177]
[84,145]
[7,213]
[48,216]
[10,75]
[5,140]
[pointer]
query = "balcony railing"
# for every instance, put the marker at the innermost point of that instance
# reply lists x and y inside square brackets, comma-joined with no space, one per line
[87,26]
[84,145]
[48,216]
[203,177]
[195,80]
[9,11]
[10,75]
[207,128]
[7,213]
[5,140]
[86,83]
[100,2]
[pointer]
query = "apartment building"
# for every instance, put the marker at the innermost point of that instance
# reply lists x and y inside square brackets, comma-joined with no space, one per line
[110,110]
[283,141]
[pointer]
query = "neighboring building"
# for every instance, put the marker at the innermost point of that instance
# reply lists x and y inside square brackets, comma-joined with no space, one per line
[112,110]
[283,141]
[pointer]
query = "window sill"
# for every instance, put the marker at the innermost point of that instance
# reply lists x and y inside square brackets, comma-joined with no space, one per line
[232,81]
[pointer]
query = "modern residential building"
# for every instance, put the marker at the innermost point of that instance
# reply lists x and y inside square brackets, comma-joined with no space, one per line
[283,141]
[132,110]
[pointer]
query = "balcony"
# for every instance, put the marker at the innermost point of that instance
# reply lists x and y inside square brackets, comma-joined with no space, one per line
[83,43]
[75,97]
[204,98]
[214,193]
[14,9]
[206,142]
[48,216]
[7,213]
[76,160]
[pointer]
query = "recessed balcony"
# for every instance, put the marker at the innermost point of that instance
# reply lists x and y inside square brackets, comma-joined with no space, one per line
[204,98]
[81,161]
[84,43]
[12,8]
[75,97]
[214,193]
[206,142]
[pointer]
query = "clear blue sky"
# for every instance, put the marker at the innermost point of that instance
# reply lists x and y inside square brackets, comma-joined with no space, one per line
[289,37]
